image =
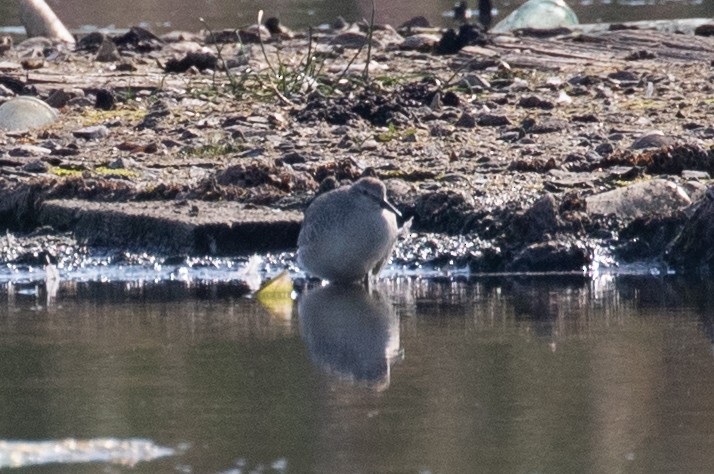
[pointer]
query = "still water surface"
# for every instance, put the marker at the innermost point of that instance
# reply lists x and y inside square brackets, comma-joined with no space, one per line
[515,375]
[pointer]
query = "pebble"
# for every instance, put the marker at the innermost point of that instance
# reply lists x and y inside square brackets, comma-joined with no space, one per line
[370,145]
[548,126]
[419,42]
[351,39]
[652,140]
[534,102]
[604,149]
[493,120]
[92,133]
[36,166]
[466,121]
[107,52]
[29,150]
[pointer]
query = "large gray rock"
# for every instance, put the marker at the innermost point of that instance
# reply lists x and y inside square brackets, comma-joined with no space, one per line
[538,221]
[655,197]
[694,246]
[24,113]
[195,227]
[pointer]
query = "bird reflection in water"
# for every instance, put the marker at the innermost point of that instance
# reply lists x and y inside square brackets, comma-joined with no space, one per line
[350,332]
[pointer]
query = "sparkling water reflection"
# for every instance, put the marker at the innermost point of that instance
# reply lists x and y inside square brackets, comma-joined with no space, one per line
[546,374]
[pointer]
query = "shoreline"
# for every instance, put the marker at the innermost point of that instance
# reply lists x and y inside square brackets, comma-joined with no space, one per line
[501,154]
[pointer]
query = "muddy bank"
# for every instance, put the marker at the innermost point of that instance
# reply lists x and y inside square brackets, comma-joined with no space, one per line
[516,152]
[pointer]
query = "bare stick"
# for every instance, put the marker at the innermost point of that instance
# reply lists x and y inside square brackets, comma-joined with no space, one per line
[369,43]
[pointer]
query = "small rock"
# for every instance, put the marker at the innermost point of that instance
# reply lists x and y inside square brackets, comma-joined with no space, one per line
[350,39]
[420,42]
[624,173]
[439,131]
[91,42]
[36,166]
[519,84]
[80,101]
[474,81]
[32,63]
[92,133]
[655,139]
[493,120]
[70,150]
[578,91]
[201,60]
[339,23]
[29,150]
[451,99]
[435,103]
[138,39]
[293,158]
[119,164]
[604,149]
[705,30]
[370,145]
[696,175]
[409,138]
[466,121]
[105,100]
[624,76]
[539,220]
[534,102]
[639,55]
[512,136]
[548,126]
[602,92]
[586,118]
[564,98]
[107,52]
[58,98]
[587,80]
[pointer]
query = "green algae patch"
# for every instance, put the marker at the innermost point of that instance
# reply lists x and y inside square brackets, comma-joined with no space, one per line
[103,170]
[65,172]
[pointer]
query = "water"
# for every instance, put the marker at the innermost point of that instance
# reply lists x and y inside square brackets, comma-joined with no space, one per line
[518,374]
[166,15]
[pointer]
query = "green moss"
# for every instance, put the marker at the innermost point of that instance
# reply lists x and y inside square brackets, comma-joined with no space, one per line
[103,170]
[95,116]
[212,150]
[392,133]
[64,172]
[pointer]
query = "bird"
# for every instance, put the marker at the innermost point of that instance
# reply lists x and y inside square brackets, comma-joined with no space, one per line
[348,233]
